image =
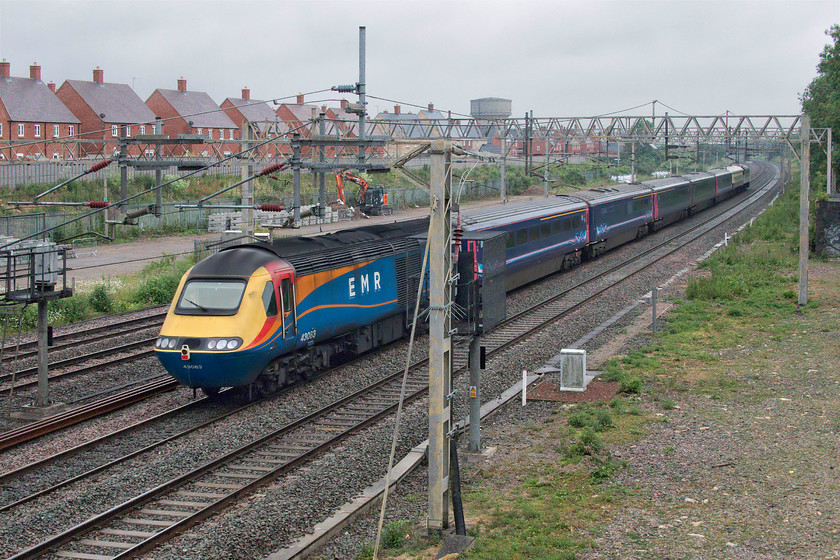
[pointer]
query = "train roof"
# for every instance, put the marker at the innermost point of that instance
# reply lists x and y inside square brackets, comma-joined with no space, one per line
[697,175]
[666,183]
[480,218]
[602,195]
[313,254]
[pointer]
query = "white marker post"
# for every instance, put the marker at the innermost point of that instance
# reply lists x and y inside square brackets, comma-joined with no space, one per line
[524,387]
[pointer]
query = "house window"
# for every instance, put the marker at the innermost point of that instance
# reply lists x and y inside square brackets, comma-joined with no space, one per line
[37,131]
[231,134]
[200,130]
[142,129]
[115,130]
[1,129]
[20,131]
[56,131]
[71,130]
[128,132]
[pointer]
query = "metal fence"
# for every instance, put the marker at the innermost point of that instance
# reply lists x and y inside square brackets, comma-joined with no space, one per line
[13,174]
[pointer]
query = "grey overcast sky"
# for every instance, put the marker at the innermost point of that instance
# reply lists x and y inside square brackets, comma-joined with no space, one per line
[557,58]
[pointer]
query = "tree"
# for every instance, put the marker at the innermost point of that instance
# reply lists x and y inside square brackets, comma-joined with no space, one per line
[821,100]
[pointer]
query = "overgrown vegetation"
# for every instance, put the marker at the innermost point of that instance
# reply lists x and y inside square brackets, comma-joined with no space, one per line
[155,285]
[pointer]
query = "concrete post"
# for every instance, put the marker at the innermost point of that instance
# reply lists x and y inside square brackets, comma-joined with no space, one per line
[361,90]
[503,189]
[633,161]
[247,170]
[804,191]
[545,171]
[42,399]
[296,175]
[475,394]
[322,178]
[123,165]
[829,183]
[440,342]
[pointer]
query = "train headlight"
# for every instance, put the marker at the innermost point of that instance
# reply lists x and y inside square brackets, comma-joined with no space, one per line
[162,342]
[232,344]
[223,344]
[172,342]
[211,344]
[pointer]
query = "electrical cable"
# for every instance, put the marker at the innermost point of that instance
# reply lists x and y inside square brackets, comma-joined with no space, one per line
[671,108]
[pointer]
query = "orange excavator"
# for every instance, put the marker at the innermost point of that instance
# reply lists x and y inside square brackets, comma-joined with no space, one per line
[372,201]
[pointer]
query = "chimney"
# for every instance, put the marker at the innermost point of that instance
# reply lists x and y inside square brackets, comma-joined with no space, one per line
[4,69]
[35,72]
[323,108]
[182,84]
[431,106]
[344,103]
[51,85]
[396,109]
[98,75]
[300,99]
[246,93]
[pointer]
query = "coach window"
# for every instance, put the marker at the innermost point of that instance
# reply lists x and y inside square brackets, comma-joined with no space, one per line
[535,233]
[511,239]
[545,230]
[522,236]
[269,299]
[557,226]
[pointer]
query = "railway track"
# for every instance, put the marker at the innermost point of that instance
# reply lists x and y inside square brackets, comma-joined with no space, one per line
[85,412]
[156,515]
[70,340]
[103,358]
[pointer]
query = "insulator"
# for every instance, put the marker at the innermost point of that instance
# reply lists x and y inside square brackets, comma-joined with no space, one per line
[99,165]
[457,234]
[140,212]
[345,88]
[272,168]
[271,207]
[97,204]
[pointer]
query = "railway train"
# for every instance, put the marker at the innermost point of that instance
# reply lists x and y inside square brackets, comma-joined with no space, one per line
[264,315]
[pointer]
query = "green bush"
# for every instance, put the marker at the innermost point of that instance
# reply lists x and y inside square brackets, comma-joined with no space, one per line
[157,290]
[588,443]
[394,534]
[597,419]
[630,384]
[100,300]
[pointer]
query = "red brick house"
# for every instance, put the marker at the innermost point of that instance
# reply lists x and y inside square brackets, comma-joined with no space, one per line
[194,113]
[31,116]
[103,109]
[244,109]
[298,117]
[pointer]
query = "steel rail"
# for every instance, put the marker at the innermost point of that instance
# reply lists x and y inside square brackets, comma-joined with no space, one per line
[85,412]
[125,348]
[27,349]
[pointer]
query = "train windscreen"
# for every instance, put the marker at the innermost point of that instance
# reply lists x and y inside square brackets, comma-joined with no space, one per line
[210,297]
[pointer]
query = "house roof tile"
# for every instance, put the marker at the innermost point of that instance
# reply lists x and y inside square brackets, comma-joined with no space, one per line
[28,100]
[198,107]
[117,102]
